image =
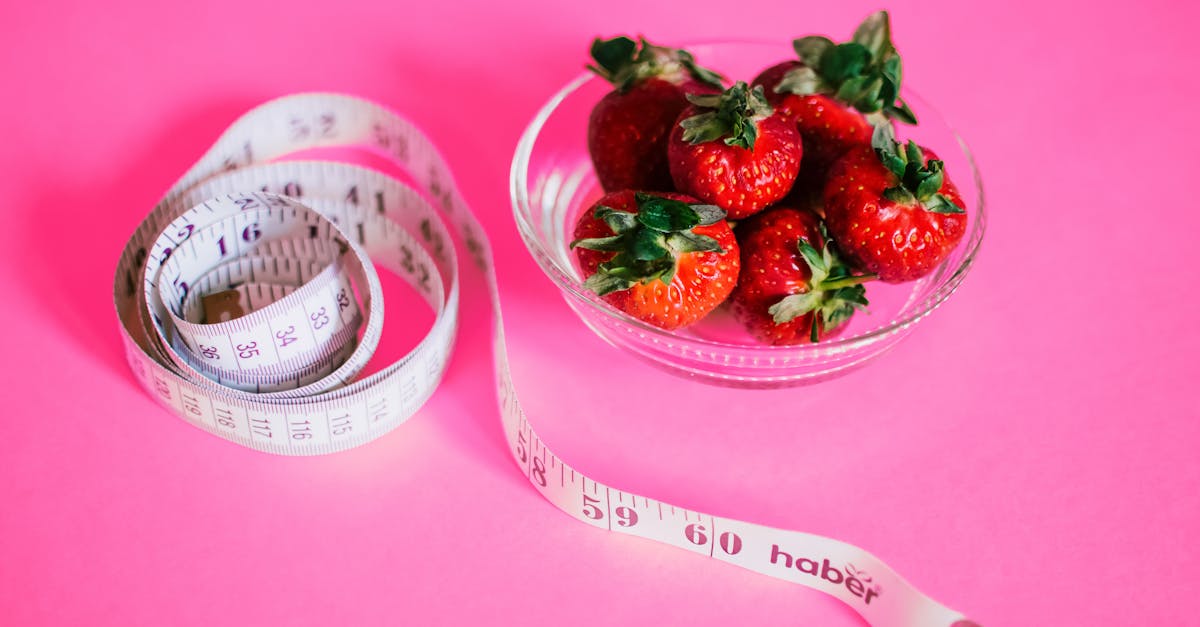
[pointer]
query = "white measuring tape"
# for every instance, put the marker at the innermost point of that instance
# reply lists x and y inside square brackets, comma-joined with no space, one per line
[249,302]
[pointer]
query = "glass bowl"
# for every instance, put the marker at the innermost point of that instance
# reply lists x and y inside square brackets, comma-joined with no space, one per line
[552,182]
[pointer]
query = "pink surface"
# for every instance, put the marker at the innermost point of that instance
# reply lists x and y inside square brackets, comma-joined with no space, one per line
[1030,456]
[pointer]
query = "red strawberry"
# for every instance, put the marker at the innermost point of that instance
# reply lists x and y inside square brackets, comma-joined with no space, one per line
[660,258]
[755,164]
[893,212]
[831,87]
[793,288]
[628,128]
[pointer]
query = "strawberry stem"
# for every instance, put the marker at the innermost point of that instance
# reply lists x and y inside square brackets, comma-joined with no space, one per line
[848,281]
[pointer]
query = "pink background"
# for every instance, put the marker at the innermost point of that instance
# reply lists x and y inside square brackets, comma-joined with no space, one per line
[1030,456]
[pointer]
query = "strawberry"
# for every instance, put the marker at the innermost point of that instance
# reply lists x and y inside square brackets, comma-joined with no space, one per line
[628,127]
[793,287]
[661,258]
[754,164]
[893,211]
[832,88]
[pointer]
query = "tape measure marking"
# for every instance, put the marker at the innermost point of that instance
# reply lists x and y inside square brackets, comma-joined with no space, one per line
[238,222]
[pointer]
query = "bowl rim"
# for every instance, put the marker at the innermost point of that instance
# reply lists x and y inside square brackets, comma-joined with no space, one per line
[546,259]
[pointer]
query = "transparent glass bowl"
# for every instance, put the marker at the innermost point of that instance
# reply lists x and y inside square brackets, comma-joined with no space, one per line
[552,182]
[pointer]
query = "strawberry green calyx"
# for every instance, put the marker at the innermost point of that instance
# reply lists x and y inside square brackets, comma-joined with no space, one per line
[735,116]
[833,291]
[863,72]
[648,242]
[919,181]
[624,63]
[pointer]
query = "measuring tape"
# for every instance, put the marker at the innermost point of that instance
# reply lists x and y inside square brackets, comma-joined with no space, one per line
[249,303]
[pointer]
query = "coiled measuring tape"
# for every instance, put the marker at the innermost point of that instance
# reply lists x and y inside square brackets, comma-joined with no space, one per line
[249,313]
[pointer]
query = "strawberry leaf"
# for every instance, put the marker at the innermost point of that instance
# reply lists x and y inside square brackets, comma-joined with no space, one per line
[899,195]
[665,215]
[912,152]
[883,138]
[709,214]
[817,267]
[855,294]
[704,101]
[744,136]
[612,55]
[852,90]
[614,243]
[895,163]
[603,283]
[862,92]
[618,221]
[688,242]
[793,306]
[702,128]
[623,266]
[940,203]
[802,81]
[666,275]
[844,61]
[838,308]
[647,245]
[931,182]
[890,72]
[886,148]
[810,49]
[875,34]
[901,112]
[699,72]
